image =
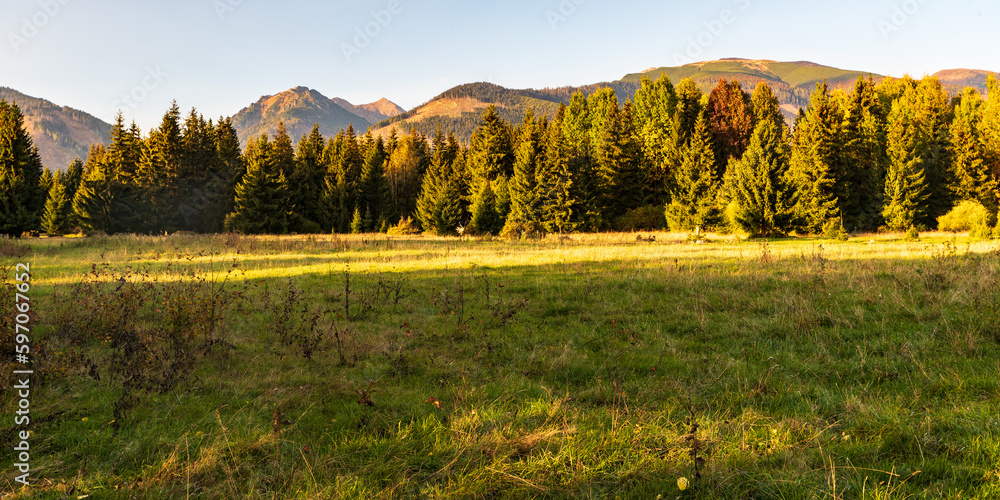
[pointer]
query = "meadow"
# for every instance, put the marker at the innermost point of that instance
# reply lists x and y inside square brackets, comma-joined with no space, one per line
[589,366]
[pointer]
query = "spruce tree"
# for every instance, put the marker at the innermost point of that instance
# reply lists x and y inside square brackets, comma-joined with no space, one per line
[485,219]
[989,126]
[55,216]
[555,179]
[491,151]
[525,216]
[21,196]
[374,195]
[972,179]
[763,201]
[440,208]
[263,205]
[862,177]
[655,105]
[159,174]
[94,197]
[695,185]
[585,187]
[816,157]
[306,181]
[906,190]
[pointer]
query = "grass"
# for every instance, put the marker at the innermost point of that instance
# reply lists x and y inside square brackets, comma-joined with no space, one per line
[560,368]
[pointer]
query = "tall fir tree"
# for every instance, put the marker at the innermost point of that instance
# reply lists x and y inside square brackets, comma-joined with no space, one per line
[655,105]
[263,204]
[71,179]
[440,208]
[555,179]
[407,164]
[525,218]
[585,182]
[862,179]
[374,195]
[989,126]
[306,181]
[491,151]
[55,215]
[970,172]
[692,200]
[485,219]
[906,190]
[159,173]
[816,157]
[762,199]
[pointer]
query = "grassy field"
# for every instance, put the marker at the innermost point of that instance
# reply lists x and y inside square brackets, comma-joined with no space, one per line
[582,367]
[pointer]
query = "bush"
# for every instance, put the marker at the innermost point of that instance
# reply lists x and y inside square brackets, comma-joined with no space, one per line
[969,216]
[648,218]
[404,228]
[834,230]
[913,233]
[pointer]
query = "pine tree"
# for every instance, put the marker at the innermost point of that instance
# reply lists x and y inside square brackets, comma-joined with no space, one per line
[762,199]
[283,153]
[584,189]
[555,179]
[485,219]
[619,162]
[374,195]
[695,184]
[972,178]
[491,152]
[655,105]
[220,189]
[525,218]
[21,197]
[262,198]
[306,180]
[439,207]
[45,181]
[159,173]
[94,197]
[55,216]
[71,181]
[357,223]
[862,182]
[816,157]
[906,190]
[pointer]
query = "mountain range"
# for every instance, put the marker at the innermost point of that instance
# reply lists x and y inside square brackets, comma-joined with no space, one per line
[63,134]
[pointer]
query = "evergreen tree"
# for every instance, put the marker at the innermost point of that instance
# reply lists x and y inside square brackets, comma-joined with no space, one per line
[584,189]
[989,126]
[228,170]
[619,161]
[357,223]
[45,181]
[283,153]
[71,181]
[262,200]
[407,164]
[555,179]
[159,173]
[695,184]
[21,196]
[762,200]
[862,178]
[306,180]
[689,109]
[972,178]
[439,207]
[374,196]
[816,157]
[525,200]
[94,197]
[55,216]
[491,152]
[655,105]
[906,190]
[485,219]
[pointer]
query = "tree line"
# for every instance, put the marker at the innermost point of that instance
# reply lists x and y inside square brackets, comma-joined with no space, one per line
[892,155]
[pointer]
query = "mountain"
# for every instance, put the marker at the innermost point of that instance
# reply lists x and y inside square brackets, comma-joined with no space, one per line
[299,108]
[460,108]
[955,80]
[61,133]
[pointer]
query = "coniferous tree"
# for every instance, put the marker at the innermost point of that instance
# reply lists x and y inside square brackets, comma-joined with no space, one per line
[71,181]
[692,199]
[525,216]
[21,196]
[989,126]
[906,183]
[92,204]
[374,195]
[619,165]
[439,207]
[229,170]
[485,219]
[45,181]
[55,216]
[159,173]
[491,151]
[263,205]
[585,183]
[816,157]
[763,202]
[407,164]
[971,175]
[306,180]
[655,105]
[862,182]
[283,152]
[555,179]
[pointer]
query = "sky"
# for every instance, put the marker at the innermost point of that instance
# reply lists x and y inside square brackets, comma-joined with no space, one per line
[221,55]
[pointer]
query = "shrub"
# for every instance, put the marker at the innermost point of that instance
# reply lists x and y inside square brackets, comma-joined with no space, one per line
[913,233]
[648,218]
[404,228]
[834,230]
[967,216]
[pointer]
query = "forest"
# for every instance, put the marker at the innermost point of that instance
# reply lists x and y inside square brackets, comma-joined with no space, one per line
[896,155]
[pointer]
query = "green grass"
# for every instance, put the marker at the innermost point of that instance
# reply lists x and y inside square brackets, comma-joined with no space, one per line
[561,368]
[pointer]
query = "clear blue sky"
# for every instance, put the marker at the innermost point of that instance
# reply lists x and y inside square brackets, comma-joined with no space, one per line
[221,55]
